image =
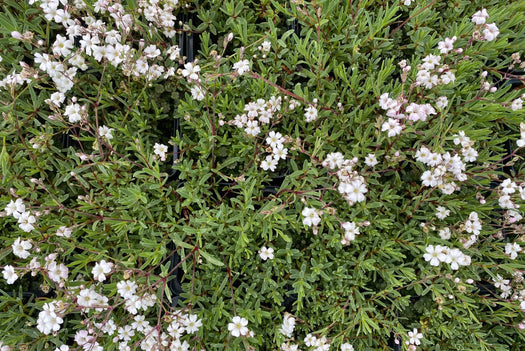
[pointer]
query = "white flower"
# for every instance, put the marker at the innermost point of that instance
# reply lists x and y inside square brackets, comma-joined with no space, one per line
[310,340]
[442,212]
[48,321]
[197,93]
[178,346]
[512,250]
[334,160]
[160,150]
[435,255]
[192,323]
[270,163]
[101,269]
[274,139]
[446,45]
[347,347]
[280,152]
[310,114]
[73,112]
[105,132]
[62,348]
[516,104]
[266,253]
[126,288]
[15,208]
[351,230]
[125,333]
[354,191]
[62,46]
[414,337]
[490,32]
[480,17]
[64,231]
[441,102]
[371,160]
[241,66]
[57,272]
[266,46]
[191,71]
[392,126]
[26,221]
[9,274]
[508,186]
[444,233]
[20,248]
[288,325]
[310,217]
[238,326]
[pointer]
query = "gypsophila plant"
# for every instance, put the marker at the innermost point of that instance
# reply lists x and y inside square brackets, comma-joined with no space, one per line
[262,175]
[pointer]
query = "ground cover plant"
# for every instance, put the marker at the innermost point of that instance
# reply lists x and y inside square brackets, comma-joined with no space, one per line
[262,175]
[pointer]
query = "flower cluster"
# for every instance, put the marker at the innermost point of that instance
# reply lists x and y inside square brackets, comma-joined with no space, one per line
[257,113]
[445,168]
[320,344]
[472,226]
[443,254]
[351,230]
[490,31]
[275,140]
[351,185]
[17,209]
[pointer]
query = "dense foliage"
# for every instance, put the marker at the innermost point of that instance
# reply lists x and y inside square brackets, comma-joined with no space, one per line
[299,175]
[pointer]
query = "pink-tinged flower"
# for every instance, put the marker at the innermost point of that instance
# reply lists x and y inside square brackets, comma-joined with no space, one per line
[480,17]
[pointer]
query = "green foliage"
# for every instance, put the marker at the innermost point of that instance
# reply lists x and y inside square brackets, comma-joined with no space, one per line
[209,203]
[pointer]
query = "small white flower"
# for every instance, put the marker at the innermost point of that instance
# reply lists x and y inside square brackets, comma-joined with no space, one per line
[20,248]
[442,212]
[105,132]
[64,231]
[480,17]
[310,114]
[197,93]
[192,323]
[414,337]
[101,269]
[310,217]
[512,250]
[26,221]
[238,326]
[347,347]
[274,139]
[191,71]
[371,160]
[266,253]
[435,255]
[241,66]
[266,46]
[9,274]
[160,150]
[444,233]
